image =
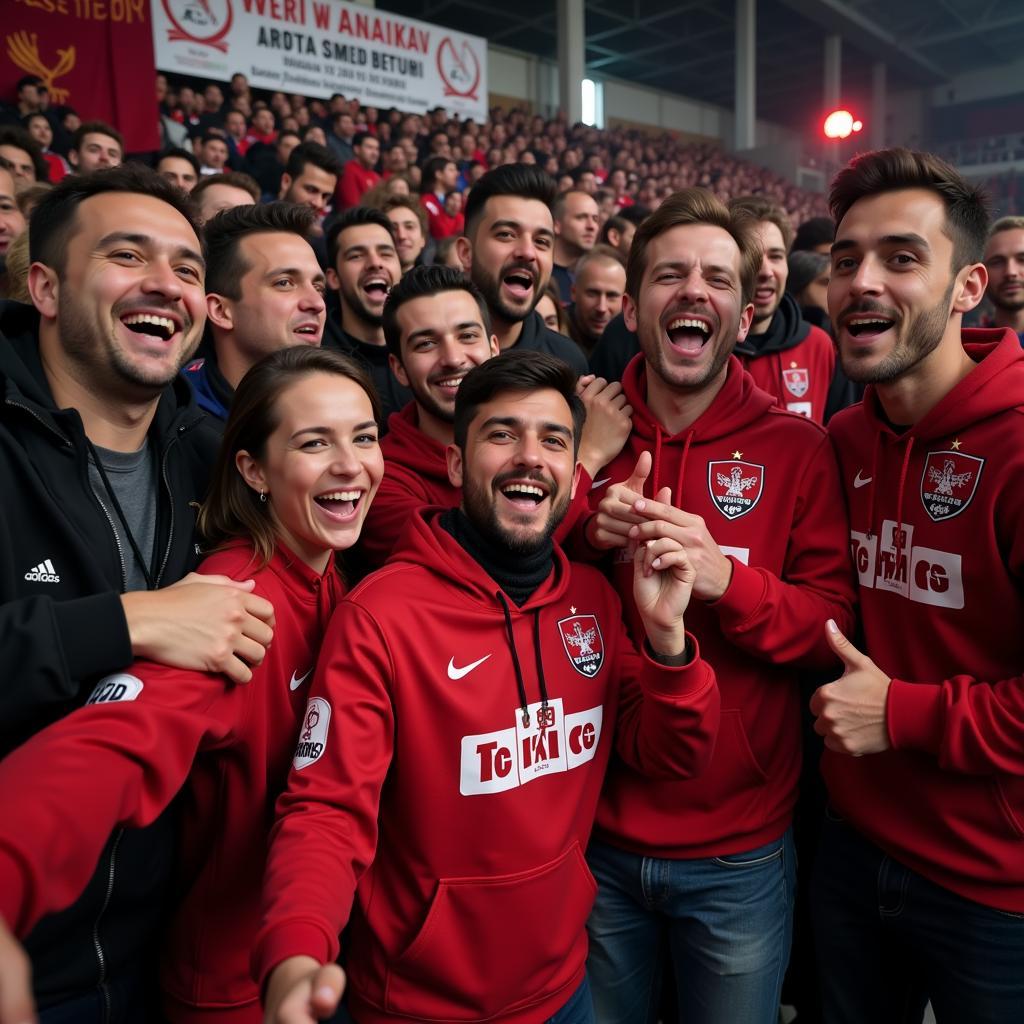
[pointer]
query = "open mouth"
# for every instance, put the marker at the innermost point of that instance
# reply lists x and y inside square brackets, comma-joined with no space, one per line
[377,288]
[689,334]
[310,332]
[450,383]
[867,326]
[152,324]
[519,283]
[524,494]
[340,505]
[762,296]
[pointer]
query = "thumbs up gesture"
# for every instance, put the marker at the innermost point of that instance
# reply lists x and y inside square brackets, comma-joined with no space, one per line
[615,514]
[851,711]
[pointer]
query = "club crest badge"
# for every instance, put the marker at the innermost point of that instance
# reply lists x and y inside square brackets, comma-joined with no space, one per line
[735,487]
[797,381]
[583,643]
[948,483]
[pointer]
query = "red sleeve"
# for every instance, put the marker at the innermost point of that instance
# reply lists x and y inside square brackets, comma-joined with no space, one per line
[119,760]
[782,620]
[327,816]
[397,499]
[668,717]
[578,509]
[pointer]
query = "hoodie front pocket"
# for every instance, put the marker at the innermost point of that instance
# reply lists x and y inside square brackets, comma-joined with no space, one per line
[494,944]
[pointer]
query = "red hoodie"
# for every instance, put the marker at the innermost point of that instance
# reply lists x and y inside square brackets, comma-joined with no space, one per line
[416,477]
[122,758]
[942,602]
[474,907]
[766,484]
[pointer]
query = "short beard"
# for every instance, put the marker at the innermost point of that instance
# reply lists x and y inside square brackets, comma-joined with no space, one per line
[1006,306]
[354,304]
[490,288]
[923,335]
[655,357]
[484,516]
[426,401]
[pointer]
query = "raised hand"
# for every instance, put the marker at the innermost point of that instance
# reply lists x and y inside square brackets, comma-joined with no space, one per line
[609,421]
[615,514]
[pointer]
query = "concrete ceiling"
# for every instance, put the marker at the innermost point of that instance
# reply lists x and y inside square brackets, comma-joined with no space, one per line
[688,46]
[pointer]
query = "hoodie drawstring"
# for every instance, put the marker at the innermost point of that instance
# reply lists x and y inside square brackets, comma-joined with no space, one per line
[656,468]
[520,684]
[899,498]
[677,496]
[872,487]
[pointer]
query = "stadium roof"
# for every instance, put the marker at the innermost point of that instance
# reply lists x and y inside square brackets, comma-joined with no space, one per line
[688,46]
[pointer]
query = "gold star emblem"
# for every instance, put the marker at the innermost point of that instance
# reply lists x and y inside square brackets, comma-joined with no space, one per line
[737,455]
[956,445]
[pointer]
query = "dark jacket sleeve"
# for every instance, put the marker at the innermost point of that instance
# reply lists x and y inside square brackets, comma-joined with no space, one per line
[613,352]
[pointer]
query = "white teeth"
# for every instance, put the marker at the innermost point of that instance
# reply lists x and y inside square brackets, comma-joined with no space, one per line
[449,382]
[858,322]
[148,318]
[341,496]
[683,322]
[523,489]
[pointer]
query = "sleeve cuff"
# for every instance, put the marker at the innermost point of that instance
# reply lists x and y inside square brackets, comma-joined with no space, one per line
[94,634]
[742,597]
[677,680]
[294,938]
[913,716]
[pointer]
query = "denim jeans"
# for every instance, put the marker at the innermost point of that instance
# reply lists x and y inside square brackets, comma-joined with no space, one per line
[579,1009]
[889,940]
[723,924]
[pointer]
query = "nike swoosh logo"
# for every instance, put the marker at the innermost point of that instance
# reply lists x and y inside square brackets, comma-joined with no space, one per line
[297,682]
[599,483]
[458,673]
[859,481]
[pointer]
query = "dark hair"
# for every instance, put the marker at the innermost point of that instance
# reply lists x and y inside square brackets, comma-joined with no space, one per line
[526,181]
[613,223]
[516,371]
[225,231]
[695,206]
[53,220]
[236,179]
[19,138]
[315,154]
[232,509]
[635,214]
[891,170]
[354,217]
[551,291]
[560,201]
[406,203]
[27,80]
[431,169]
[418,283]
[95,128]
[814,232]
[213,135]
[759,208]
[360,137]
[804,266]
[180,154]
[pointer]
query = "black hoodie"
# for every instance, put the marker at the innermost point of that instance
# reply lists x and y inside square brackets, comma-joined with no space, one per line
[63,628]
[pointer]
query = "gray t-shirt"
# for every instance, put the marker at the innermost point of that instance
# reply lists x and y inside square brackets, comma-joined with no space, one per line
[132,477]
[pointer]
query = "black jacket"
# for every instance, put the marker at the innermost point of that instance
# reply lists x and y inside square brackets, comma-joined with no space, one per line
[538,337]
[64,627]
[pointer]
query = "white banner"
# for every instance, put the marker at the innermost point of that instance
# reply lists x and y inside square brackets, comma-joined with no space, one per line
[320,47]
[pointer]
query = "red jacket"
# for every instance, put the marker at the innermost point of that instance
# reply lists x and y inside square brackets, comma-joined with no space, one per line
[416,748]
[122,758]
[416,477]
[355,181]
[942,602]
[441,223]
[766,484]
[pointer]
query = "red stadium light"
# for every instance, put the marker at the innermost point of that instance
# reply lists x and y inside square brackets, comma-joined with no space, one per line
[841,124]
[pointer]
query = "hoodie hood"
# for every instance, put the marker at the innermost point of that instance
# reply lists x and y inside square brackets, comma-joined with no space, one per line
[786,330]
[414,448]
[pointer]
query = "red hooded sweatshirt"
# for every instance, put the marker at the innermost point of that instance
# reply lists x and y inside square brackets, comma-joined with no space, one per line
[122,758]
[942,603]
[463,740]
[766,484]
[416,477]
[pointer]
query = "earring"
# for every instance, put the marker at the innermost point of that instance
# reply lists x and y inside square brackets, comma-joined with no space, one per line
[263,496]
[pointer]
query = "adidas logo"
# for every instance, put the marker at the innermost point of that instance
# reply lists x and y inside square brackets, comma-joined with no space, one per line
[44,572]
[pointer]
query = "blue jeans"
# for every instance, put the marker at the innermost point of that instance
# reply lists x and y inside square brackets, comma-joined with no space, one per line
[723,923]
[579,1009]
[889,940]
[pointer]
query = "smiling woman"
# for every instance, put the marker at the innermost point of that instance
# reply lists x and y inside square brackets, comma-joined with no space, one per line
[296,474]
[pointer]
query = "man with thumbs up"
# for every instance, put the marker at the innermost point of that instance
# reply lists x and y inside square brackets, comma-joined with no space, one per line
[918,892]
[703,870]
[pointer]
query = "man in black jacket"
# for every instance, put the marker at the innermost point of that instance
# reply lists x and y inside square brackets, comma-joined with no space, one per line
[508,252]
[103,457]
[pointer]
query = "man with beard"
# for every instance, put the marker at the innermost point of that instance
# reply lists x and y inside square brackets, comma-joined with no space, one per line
[753,495]
[918,893]
[1004,260]
[102,456]
[507,252]
[465,706]
[409,223]
[576,220]
[310,176]
[264,292]
[596,295]
[437,329]
[787,357]
[362,268]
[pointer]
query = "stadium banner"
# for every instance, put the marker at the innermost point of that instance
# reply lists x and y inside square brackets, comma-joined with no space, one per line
[321,47]
[94,55]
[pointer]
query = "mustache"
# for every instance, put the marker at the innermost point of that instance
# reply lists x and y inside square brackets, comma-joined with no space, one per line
[866,307]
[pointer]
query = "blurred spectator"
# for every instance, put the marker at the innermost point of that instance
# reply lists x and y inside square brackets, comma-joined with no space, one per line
[440,176]
[39,127]
[223,191]
[23,154]
[213,153]
[596,295]
[1004,259]
[95,145]
[359,174]
[815,235]
[551,310]
[576,225]
[445,254]
[12,220]
[809,273]
[409,223]
[618,234]
[310,176]
[343,130]
[179,166]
